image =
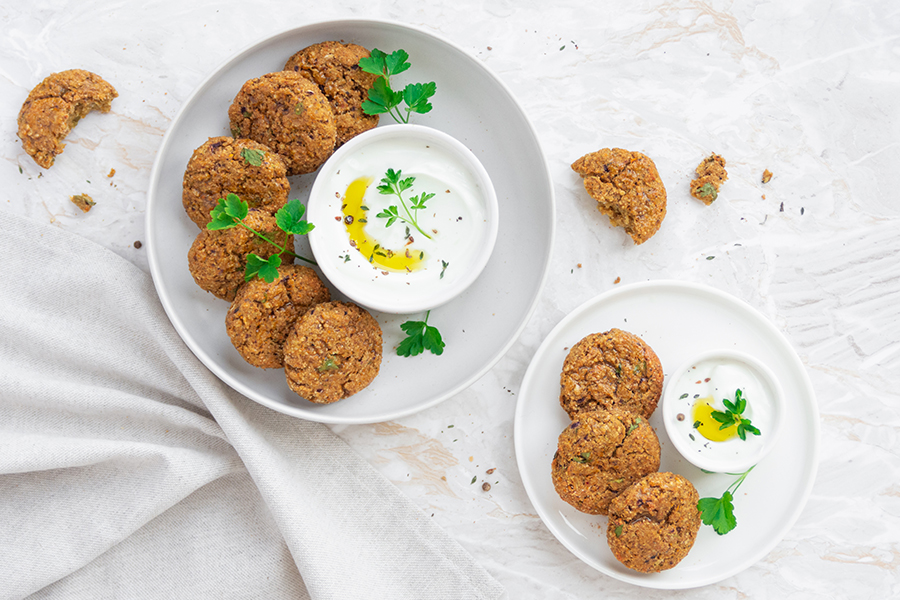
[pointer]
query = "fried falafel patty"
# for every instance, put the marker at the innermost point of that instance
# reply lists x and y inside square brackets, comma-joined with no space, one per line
[263,313]
[600,454]
[218,258]
[288,113]
[334,67]
[653,524]
[332,352]
[627,188]
[55,106]
[224,165]
[614,369]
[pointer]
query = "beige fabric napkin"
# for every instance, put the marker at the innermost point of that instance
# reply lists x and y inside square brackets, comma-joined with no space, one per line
[128,470]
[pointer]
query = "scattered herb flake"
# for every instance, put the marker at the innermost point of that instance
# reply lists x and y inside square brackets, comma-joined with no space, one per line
[253,157]
[329,365]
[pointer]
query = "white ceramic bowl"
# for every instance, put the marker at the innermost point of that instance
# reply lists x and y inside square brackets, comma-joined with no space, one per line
[461,220]
[696,378]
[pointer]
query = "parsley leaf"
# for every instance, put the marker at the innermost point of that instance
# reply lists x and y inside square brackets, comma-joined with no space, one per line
[290,219]
[381,98]
[718,512]
[265,268]
[228,213]
[420,337]
[734,415]
[253,157]
[379,63]
[416,96]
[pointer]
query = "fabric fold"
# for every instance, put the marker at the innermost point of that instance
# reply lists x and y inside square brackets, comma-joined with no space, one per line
[116,443]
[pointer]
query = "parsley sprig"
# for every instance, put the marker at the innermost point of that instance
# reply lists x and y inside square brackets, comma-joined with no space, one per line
[382,98]
[733,415]
[719,512]
[231,211]
[393,183]
[420,337]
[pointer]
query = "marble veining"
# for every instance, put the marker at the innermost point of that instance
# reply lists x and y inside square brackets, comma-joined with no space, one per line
[809,90]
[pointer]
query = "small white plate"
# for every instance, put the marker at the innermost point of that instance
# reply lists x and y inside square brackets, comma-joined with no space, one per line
[678,320]
[473,106]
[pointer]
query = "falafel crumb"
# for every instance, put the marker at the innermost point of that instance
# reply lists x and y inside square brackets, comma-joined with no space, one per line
[711,174]
[111,173]
[618,280]
[767,176]
[82,201]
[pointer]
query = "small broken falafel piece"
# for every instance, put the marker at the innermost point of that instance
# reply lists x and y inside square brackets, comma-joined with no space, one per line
[767,176]
[288,113]
[627,188]
[334,67]
[600,454]
[653,524]
[218,258]
[55,106]
[224,165]
[711,174]
[332,352]
[262,314]
[613,369]
[83,201]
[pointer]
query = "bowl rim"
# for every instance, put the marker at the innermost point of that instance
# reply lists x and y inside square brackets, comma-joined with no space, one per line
[388,303]
[718,465]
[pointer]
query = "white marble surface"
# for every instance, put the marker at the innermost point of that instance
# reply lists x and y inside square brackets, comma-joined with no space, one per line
[809,90]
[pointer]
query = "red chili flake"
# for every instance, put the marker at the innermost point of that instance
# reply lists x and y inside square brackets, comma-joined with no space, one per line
[706,380]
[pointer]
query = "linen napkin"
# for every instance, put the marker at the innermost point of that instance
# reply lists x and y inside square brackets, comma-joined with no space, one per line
[128,470]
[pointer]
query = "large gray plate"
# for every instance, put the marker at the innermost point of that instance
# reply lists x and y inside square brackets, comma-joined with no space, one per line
[472,105]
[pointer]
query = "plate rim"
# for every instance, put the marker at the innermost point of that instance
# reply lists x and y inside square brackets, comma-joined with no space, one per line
[646,580]
[203,356]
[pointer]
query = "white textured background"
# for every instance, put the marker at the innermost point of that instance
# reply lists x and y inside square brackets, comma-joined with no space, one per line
[809,90]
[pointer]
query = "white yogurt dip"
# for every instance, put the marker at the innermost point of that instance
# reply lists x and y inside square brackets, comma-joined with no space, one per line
[412,266]
[699,388]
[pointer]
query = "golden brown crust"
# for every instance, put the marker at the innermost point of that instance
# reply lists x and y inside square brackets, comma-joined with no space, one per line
[55,106]
[217,259]
[83,201]
[614,369]
[711,174]
[262,313]
[600,454]
[332,352]
[627,188]
[653,524]
[218,168]
[334,67]
[286,112]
